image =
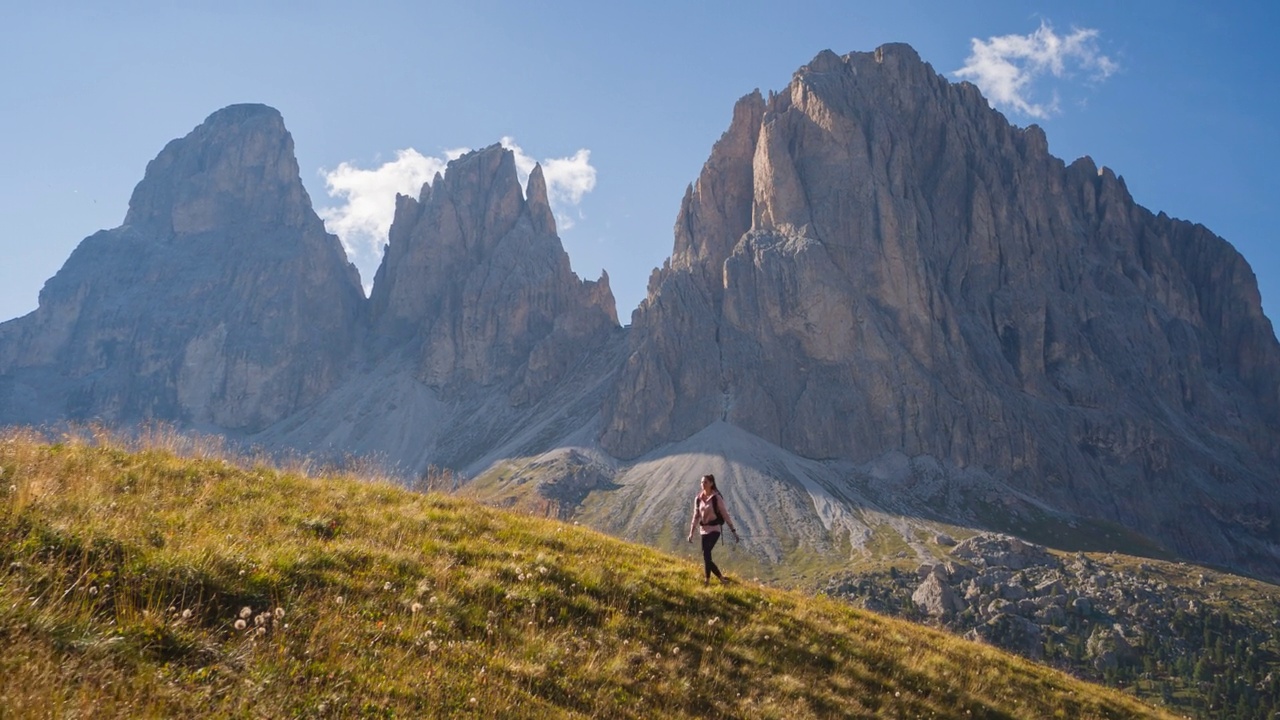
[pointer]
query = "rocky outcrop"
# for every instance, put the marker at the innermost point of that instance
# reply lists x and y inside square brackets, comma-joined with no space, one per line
[915,274]
[476,282]
[220,302]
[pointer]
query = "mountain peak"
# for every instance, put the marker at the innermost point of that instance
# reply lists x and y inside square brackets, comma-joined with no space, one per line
[237,166]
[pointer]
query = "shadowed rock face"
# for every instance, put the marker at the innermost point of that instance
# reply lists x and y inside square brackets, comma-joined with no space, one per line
[221,300]
[476,281]
[910,272]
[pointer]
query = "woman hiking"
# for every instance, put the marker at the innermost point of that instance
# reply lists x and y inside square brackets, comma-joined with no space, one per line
[709,515]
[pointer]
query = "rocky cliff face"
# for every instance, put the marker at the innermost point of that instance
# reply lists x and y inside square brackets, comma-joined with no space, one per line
[476,281]
[221,301]
[910,273]
[482,343]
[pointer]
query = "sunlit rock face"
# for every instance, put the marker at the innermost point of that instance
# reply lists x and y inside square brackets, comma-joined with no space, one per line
[873,260]
[476,280]
[221,301]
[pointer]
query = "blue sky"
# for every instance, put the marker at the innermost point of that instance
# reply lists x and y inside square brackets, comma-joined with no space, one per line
[1177,97]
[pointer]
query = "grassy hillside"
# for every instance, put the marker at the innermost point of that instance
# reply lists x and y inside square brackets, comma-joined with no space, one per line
[146,582]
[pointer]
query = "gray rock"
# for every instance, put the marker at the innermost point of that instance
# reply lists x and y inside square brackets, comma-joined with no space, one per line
[874,261]
[220,302]
[934,597]
[476,280]
[1013,632]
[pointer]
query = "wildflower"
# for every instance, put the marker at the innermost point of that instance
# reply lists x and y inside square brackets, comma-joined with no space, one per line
[240,624]
[415,607]
[246,612]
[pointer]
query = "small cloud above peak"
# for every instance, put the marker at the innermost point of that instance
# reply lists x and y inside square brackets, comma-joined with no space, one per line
[366,197]
[1007,67]
[568,178]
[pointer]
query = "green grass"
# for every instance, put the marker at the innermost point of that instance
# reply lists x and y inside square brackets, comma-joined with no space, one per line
[136,581]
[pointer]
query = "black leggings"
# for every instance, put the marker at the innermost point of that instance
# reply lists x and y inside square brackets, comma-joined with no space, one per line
[708,542]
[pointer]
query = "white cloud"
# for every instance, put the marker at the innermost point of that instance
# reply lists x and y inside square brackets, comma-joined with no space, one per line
[362,219]
[367,197]
[1006,67]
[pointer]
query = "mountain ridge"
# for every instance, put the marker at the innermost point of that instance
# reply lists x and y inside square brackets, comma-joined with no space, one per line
[898,309]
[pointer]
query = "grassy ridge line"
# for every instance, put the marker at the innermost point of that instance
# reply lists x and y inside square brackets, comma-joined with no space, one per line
[135,582]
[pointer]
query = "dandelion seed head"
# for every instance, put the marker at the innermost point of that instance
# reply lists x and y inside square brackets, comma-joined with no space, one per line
[386,585]
[415,607]
[93,590]
[240,624]
[279,613]
[339,599]
[433,600]
[261,631]
[186,614]
[246,612]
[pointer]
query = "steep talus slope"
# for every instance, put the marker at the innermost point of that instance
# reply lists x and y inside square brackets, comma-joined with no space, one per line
[221,301]
[915,275]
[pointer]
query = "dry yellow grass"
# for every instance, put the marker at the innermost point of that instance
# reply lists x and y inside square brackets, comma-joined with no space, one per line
[166,579]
